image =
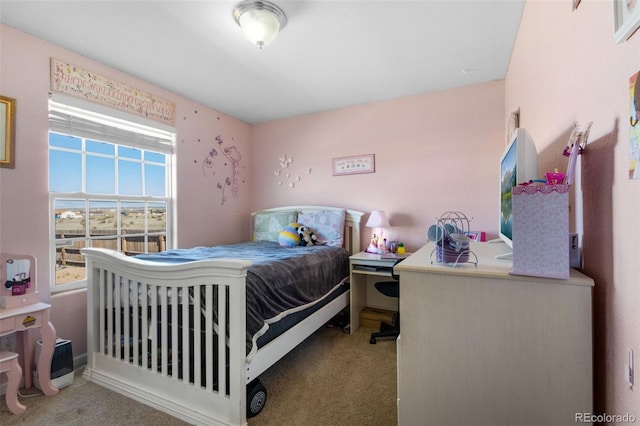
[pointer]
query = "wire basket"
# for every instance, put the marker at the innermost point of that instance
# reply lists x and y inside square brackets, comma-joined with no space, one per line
[449,233]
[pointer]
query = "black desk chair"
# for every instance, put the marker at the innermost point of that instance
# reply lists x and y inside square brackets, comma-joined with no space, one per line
[391,289]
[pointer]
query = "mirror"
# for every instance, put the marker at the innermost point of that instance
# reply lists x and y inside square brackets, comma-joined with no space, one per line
[17,273]
[18,269]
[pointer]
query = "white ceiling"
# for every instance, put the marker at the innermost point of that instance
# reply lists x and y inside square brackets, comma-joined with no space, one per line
[331,54]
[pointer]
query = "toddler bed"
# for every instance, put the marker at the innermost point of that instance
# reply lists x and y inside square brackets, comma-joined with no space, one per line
[190,331]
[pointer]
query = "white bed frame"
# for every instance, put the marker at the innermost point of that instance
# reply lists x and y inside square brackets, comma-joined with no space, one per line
[164,390]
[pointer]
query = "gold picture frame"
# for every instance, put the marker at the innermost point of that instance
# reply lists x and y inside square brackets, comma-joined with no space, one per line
[7,132]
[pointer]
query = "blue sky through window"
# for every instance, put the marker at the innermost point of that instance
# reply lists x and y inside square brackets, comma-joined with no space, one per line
[132,168]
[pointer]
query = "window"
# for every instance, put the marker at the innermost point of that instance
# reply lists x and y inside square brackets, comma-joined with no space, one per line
[109,186]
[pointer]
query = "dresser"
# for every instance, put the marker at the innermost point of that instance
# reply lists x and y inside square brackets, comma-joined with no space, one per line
[481,346]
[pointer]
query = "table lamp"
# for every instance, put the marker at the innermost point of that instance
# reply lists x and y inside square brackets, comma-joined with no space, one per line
[377,219]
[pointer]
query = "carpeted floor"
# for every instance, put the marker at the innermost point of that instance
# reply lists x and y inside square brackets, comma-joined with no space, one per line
[331,378]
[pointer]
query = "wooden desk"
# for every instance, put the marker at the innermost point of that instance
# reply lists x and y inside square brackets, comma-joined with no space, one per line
[482,346]
[361,266]
[22,319]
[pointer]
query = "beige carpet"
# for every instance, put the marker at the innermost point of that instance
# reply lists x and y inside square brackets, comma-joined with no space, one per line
[331,378]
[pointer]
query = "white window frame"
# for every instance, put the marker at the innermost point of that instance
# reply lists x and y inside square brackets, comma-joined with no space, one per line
[84,120]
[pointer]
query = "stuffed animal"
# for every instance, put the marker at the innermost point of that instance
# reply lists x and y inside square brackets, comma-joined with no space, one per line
[288,236]
[307,236]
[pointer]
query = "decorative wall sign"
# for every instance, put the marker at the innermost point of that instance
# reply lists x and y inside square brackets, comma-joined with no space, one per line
[355,164]
[70,80]
[626,14]
[7,132]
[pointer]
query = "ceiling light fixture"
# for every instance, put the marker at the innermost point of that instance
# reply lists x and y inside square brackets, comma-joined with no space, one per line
[260,21]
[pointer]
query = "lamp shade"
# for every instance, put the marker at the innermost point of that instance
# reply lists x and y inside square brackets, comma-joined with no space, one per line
[260,21]
[377,219]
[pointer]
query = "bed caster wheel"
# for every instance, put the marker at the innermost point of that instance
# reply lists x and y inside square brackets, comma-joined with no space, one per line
[256,398]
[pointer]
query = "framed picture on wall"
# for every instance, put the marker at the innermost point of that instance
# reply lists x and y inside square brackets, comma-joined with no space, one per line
[7,132]
[626,14]
[355,164]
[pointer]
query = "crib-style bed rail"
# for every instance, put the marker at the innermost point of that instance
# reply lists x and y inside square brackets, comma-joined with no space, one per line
[155,334]
[180,337]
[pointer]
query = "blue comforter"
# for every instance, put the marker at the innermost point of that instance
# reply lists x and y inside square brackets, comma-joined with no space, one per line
[281,280]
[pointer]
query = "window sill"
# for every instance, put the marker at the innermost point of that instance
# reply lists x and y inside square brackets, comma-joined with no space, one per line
[76,285]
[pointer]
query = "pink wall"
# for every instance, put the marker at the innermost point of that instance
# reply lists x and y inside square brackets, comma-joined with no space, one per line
[566,68]
[434,153]
[24,197]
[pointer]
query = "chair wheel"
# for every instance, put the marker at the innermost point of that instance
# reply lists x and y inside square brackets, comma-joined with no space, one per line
[256,398]
[372,341]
